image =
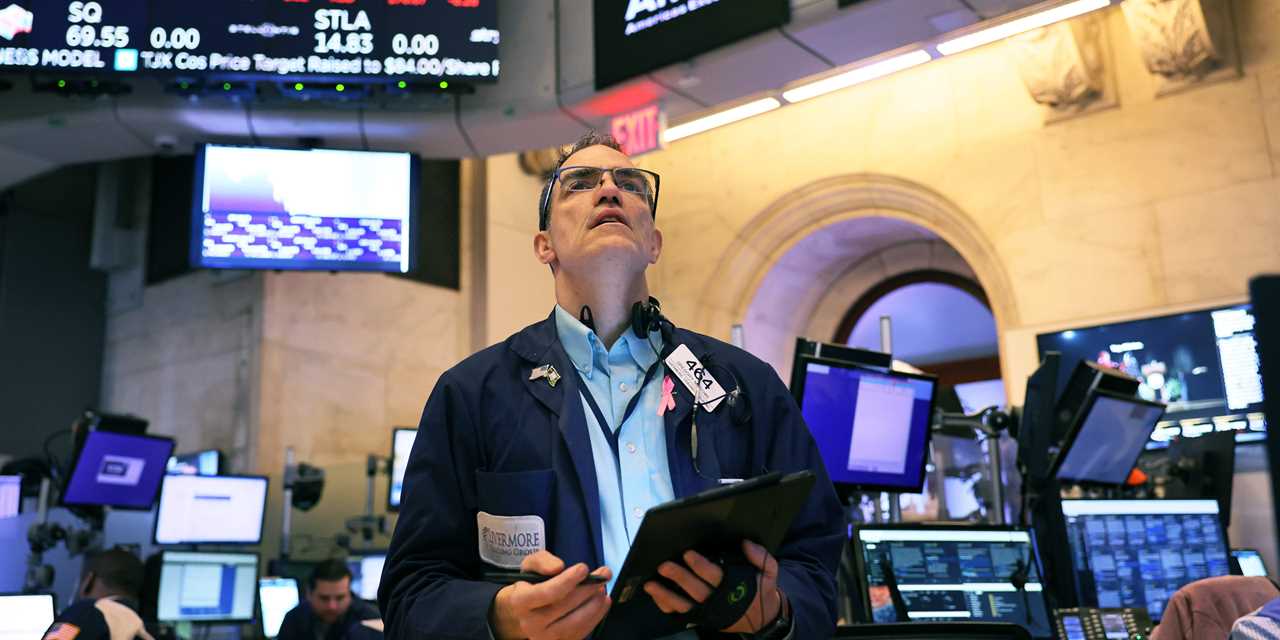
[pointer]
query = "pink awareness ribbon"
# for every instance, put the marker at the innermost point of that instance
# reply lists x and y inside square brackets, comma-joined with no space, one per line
[668,400]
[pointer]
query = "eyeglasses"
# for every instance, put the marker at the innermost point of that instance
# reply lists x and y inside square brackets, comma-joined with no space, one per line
[638,182]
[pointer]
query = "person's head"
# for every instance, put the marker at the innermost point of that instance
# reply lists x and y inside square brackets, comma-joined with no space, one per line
[591,220]
[114,572]
[329,590]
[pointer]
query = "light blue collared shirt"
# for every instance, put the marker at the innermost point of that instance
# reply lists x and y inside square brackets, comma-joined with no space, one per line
[613,378]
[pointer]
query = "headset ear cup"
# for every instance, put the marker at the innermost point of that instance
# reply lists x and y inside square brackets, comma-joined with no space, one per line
[639,320]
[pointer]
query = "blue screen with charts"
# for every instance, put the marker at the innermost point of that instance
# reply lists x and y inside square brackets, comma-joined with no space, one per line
[1137,553]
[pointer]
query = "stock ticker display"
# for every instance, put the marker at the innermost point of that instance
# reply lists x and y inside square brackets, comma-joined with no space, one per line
[406,39]
[954,574]
[1137,553]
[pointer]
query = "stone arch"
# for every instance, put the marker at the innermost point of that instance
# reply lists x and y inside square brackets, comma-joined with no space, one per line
[821,207]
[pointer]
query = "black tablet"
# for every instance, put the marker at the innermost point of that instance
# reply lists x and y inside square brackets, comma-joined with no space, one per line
[716,521]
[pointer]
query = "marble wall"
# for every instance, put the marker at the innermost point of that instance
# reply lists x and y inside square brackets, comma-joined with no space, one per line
[345,358]
[184,356]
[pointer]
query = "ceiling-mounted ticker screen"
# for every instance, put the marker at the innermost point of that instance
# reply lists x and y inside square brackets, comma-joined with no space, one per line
[633,37]
[429,40]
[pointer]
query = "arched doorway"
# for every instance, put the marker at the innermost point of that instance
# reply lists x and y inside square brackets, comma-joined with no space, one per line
[941,323]
[799,264]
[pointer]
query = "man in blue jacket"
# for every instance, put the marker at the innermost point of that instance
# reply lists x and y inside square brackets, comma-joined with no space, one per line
[543,453]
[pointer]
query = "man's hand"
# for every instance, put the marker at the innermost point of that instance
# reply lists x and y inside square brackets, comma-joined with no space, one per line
[698,577]
[559,609]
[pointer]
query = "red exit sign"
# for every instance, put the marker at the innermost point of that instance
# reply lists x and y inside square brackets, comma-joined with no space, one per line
[638,131]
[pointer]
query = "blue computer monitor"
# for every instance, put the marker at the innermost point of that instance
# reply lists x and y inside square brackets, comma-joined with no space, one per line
[207,587]
[1250,562]
[1137,553]
[10,496]
[199,463]
[401,445]
[366,573]
[1106,439]
[276,597]
[951,573]
[118,470]
[871,426]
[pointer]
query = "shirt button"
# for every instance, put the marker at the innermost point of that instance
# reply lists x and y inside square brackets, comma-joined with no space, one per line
[622,387]
[631,447]
[637,513]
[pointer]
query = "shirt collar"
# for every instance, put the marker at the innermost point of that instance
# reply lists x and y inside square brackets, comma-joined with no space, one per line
[586,350]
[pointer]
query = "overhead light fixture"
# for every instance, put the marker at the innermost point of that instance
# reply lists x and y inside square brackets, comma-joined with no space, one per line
[721,118]
[855,76]
[1020,25]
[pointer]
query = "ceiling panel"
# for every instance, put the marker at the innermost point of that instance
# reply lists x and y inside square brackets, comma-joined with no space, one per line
[762,62]
[873,27]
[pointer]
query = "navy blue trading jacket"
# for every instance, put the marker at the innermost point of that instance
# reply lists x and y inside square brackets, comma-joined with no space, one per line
[493,440]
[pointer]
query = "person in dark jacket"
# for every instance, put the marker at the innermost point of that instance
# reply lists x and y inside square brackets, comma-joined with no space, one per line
[542,453]
[330,612]
[107,601]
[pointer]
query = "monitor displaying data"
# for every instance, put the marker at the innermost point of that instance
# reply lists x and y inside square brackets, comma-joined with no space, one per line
[1203,364]
[10,496]
[1137,553]
[255,39]
[366,574]
[211,509]
[308,209]
[953,573]
[401,445]
[118,470]
[207,587]
[871,427]
[1107,439]
[1250,562]
[200,463]
[276,597]
[23,617]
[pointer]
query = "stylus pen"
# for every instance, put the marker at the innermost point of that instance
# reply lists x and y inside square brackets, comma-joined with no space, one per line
[508,577]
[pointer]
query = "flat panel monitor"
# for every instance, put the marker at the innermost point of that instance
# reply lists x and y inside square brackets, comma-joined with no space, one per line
[276,597]
[207,587]
[366,574]
[638,36]
[1203,364]
[871,426]
[1250,562]
[211,510]
[401,445]
[200,463]
[23,617]
[952,573]
[307,209]
[980,394]
[118,470]
[1108,436]
[10,496]
[1137,553]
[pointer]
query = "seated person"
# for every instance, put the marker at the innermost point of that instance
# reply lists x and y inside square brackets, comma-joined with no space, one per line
[107,601]
[329,611]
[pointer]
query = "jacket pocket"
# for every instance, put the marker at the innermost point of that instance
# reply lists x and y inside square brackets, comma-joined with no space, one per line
[514,514]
